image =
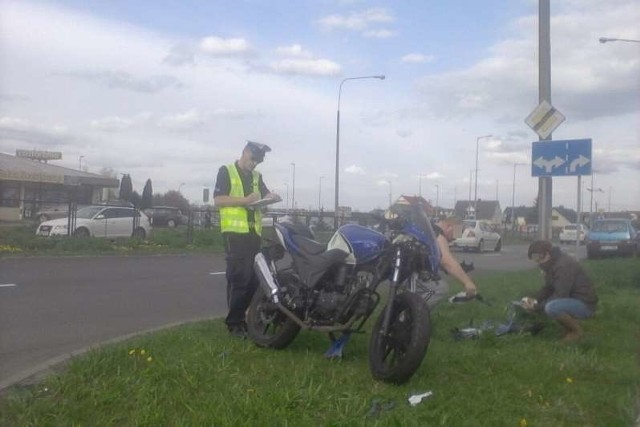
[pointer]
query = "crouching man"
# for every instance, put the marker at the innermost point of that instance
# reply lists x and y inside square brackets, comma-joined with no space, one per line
[567,294]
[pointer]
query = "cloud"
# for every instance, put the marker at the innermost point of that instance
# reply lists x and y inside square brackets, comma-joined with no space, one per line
[195,119]
[21,130]
[218,46]
[316,67]
[111,124]
[589,79]
[295,50]
[379,34]
[11,97]
[417,58]
[361,22]
[124,80]
[433,175]
[355,170]
[180,54]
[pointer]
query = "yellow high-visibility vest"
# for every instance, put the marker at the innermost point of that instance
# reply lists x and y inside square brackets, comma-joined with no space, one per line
[234,219]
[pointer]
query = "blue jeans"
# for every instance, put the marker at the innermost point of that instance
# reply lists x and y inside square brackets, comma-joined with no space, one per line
[571,306]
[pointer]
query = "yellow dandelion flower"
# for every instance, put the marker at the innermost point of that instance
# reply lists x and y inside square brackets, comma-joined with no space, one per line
[142,352]
[523,422]
[132,352]
[569,380]
[149,359]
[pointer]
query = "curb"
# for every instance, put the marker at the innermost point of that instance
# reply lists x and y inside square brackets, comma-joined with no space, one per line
[39,372]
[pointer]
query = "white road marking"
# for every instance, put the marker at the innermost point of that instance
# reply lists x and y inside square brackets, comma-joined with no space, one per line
[7,285]
[217,273]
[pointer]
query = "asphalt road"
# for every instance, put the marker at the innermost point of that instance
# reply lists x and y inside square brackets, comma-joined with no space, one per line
[51,308]
[54,307]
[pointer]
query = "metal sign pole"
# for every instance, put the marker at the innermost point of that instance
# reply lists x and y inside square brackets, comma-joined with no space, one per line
[578,219]
[545,184]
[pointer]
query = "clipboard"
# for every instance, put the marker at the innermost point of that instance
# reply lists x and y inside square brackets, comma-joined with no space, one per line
[264,202]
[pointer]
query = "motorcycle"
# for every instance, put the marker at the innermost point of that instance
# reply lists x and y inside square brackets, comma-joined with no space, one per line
[333,288]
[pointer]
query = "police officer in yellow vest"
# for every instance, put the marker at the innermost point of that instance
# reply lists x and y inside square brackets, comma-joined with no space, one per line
[237,186]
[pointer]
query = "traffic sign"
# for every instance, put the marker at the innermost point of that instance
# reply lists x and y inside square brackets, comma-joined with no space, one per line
[570,157]
[544,119]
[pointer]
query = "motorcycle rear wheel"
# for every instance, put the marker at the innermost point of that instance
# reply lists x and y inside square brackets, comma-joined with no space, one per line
[267,326]
[395,356]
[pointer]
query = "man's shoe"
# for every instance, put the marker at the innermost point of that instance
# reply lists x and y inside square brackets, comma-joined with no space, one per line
[238,331]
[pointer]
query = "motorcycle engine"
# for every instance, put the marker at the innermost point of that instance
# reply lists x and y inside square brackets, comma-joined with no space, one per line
[328,304]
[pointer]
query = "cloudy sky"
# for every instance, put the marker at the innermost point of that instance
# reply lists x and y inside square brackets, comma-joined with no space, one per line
[171,90]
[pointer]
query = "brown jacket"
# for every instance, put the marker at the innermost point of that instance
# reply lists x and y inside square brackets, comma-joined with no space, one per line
[565,278]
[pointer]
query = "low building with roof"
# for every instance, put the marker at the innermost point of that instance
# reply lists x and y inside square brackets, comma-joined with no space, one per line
[27,185]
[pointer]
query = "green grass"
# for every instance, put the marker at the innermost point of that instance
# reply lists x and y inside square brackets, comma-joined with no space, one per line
[23,241]
[198,375]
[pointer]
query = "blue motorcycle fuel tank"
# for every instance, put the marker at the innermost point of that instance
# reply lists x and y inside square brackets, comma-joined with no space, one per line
[361,243]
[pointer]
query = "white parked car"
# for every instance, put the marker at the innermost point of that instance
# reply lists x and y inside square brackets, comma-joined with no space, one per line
[100,221]
[478,235]
[569,233]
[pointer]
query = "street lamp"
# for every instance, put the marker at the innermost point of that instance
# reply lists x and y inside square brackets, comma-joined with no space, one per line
[337,192]
[286,205]
[475,194]
[180,186]
[592,190]
[390,192]
[80,163]
[437,197]
[293,188]
[610,39]
[320,193]
[513,197]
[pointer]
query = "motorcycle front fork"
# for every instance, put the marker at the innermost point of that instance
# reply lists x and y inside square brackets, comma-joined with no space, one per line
[393,290]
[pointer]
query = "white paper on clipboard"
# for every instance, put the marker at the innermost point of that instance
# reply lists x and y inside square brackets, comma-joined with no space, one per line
[264,202]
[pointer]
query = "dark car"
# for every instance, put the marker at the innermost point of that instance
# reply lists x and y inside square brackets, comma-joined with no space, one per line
[165,216]
[612,237]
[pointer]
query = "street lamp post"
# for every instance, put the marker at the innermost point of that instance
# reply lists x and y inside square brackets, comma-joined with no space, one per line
[320,193]
[592,190]
[286,205]
[337,185]
[80,163]
[180,186]
[293,188]
[610,39]
[513,197]
[390,192]
[475,194]
[437,197]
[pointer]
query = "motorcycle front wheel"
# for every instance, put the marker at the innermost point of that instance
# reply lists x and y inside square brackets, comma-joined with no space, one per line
[266,325]
[395,356]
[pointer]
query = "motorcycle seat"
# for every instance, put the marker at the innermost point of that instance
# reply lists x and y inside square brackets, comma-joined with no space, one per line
[309,246]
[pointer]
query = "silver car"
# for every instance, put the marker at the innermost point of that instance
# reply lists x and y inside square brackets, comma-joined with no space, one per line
[100,221]
[479,236]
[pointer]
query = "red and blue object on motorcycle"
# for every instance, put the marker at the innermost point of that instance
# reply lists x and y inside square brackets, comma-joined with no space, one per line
[337,346]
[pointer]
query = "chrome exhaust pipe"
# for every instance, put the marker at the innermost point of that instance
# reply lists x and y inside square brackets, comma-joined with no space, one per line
[266,278]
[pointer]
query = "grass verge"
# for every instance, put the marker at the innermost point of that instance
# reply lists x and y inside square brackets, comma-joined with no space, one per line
[16,241]
[198,375]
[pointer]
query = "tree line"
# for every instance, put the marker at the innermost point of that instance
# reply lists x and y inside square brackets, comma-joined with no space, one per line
[148,199]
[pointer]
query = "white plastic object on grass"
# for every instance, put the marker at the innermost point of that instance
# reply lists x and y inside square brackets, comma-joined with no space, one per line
[417,398]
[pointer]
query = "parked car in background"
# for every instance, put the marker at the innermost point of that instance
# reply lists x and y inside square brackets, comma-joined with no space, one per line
[478,235]
[46,213]
[571,232]
[612,237]
[100,221]
[166,216]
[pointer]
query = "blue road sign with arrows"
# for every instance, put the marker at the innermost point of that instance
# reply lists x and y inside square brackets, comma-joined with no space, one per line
[570,157]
